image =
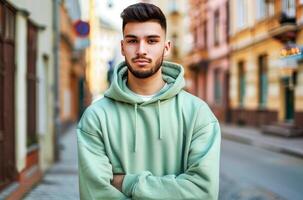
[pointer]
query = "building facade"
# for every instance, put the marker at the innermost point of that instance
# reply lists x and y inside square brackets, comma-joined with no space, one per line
[208,61]
[29,32]
[104,49]
[26,99]
[266,72]
[72,83]
[176,13]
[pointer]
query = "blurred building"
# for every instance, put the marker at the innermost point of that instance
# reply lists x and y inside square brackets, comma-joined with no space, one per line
[72,85]
[175,12]
[104,38]
[266,64]
[208,61]
[26,95]
[177,28]
[29,34]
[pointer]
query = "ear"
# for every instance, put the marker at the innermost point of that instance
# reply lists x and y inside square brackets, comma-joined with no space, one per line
[167,48]
[122,49]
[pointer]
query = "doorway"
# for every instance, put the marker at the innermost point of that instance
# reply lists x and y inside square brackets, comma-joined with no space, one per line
[7,95]
[289,99]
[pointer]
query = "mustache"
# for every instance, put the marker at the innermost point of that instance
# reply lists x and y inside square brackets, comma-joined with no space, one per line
[141,57]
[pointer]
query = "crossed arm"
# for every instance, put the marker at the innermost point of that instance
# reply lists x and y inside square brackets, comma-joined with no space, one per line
[199,181]
[117,181]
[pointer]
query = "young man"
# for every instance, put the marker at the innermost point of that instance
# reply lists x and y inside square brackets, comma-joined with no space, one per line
[148,138]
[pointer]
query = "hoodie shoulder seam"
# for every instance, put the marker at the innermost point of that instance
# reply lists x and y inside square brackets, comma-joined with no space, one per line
[203,125]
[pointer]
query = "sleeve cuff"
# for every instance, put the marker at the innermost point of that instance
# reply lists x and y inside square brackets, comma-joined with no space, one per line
[129,183]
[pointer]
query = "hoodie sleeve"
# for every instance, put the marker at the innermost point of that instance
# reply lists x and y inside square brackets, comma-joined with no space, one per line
[95,170]
[199,181]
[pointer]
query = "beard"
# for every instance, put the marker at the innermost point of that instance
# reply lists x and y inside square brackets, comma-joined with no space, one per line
[148,73]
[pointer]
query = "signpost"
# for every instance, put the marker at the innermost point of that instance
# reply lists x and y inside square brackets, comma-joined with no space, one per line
[81,28]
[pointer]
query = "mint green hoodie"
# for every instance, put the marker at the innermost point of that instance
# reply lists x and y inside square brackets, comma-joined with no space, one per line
[167,147]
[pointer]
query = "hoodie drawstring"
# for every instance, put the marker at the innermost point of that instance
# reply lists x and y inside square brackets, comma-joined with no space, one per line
[159,113]
[135,138]
[136,122]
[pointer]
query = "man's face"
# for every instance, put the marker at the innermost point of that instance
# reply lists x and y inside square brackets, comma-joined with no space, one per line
[144,47]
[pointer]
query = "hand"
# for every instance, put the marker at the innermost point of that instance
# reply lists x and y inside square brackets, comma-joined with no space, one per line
[117,181]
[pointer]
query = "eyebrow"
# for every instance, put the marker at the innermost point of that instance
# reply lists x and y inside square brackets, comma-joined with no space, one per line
[149,36]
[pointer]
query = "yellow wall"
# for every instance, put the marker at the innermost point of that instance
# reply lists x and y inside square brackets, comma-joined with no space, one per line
[250,55]
[299,86]
[104,39]
[252,40]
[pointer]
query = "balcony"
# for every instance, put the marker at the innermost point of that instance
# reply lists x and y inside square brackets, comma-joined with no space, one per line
[197,59]
[283,27]
[287,19]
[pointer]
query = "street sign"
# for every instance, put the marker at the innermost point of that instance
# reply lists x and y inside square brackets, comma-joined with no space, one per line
[81,28]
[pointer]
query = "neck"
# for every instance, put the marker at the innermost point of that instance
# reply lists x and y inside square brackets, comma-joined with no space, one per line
[145,86]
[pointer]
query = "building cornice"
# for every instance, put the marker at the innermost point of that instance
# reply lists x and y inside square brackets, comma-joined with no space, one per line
[249,42]
[25,13]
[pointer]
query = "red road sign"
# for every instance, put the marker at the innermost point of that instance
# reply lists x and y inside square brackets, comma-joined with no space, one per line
[81,28]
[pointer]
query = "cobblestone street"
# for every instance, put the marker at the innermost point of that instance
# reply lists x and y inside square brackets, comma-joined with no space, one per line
[61,181]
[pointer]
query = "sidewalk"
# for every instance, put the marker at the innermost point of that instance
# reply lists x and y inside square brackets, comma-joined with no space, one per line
[253,136]
[61,181]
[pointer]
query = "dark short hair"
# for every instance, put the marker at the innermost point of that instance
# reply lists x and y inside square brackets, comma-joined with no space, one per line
[143,12]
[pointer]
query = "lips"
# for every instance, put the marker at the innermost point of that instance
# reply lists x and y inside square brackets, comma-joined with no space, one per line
[141,61]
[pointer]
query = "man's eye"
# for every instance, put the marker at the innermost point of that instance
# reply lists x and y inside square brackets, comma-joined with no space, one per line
[131,41]
[152,41]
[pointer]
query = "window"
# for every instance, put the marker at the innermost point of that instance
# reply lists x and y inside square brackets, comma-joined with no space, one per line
[216,28]
[1,20]
[32,36]
[227,21]
[263,80]
[2,94]
[261,9]
[241,13]
[2,73]
[173,6]
[271,8]
[195,36]
[217,86]
[10,25]
[7,97]
[289,7]
[199,36]
[174,37]
[242,83]
[205,34]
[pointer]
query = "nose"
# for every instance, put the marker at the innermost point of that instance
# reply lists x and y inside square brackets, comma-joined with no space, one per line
[141,50]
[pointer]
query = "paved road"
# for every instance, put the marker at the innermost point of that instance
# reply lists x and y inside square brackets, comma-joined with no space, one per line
[249,172]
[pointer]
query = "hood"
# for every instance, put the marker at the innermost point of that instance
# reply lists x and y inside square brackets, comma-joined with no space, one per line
[172,74]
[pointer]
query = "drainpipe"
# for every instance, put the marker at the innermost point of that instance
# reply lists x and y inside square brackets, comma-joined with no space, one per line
[56,45]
